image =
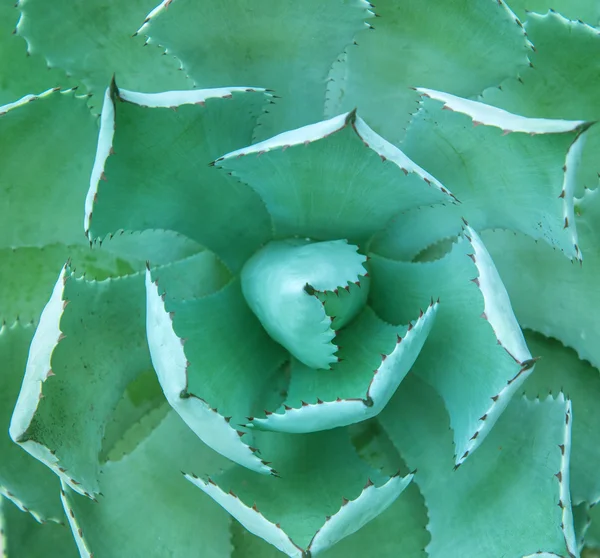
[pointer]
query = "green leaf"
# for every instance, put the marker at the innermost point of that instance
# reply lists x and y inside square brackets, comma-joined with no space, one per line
[407,515]
[83,356]
[485,358]
[22,74]
[151,169]
[334,179]
[374,359]
[214,362]
[473,510]
[572,9]
[457,46]
[146,507]
[25,481]
[564,79]
[515,182]
[551,295]
[43,195]
[21,535]
[325,492]
[247,43]
[290,286]
[93,40]
[560,370]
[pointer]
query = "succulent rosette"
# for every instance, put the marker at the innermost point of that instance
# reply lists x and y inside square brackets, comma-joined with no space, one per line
[258,269]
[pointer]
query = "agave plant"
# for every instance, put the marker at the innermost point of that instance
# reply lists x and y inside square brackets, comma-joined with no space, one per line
[287,237]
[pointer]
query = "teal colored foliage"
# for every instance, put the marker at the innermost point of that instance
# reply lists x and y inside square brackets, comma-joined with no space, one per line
[299,278]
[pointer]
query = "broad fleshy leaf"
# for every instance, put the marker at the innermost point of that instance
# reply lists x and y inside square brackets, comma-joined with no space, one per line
[457,46]
[151,169]
[485,358]
[564,79]
[146,508]
[93,40]
[409,536]
[22,74]
[21,536]
[325,492]
[90,344]
[374,359]
[472,511]
[560,370]
[573,9]
[243,43]
[25,481]
[214,362]
[333,179]
[513,181]
[551,295]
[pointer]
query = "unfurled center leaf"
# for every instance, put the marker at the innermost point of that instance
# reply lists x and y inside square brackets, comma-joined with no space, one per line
[303,291]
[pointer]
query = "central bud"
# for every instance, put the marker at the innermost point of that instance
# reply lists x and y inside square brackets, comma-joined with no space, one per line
[303,292]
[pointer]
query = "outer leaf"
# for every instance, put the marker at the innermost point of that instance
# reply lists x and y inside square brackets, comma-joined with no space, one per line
[374,359]
[407,515]
[158,176]
[551,295]
[334,179]
[21,74]
[472,510]
[517,182]
[93,40]
[25,481]
[561,370]
[319,500]
[83,356]
[564,78]
[21,535]
[146,507]
[52,184]
[246,43]
[573,9]
[457,46]
[485,357]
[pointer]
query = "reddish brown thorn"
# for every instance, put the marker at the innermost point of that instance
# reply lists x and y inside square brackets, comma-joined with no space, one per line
[304,404]
[287,407]
[383,357]
[559,476]
[475,435]
[562,448]
[476,281]
[240,433]
[483,417]
[494,398]
[345,501]
[254,507]
[103,176]
[267,412]
[566,222]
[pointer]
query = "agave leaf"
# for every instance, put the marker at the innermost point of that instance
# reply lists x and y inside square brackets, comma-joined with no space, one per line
[564,77]
[551,295]
[460,46]
[22,74]
[515,182]
[374,358]
[89,346]
[214,362]
[325,492]
[247,43]
[25,481]
[485,358]
[561,370]
[21,535]
[407,514]
[43,194]
[93,40]
[146,507]
[472,510]
[573,9]
[333,179]
[153,170]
